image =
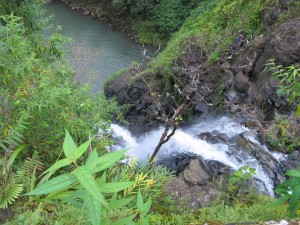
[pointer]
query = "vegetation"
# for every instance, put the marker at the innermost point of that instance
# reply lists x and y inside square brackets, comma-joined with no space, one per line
[289,191]
[42,107]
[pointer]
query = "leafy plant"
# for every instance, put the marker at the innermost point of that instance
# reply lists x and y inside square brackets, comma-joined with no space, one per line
[84,187]
[11,182]
[289,191]
[289,77]
[238,185]
[242,174]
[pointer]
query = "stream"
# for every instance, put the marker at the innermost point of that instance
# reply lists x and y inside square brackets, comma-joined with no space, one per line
[186,140]
[99,51]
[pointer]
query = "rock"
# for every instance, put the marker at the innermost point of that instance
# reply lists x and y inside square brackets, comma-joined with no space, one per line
[177,162]
[196,172]
[219,169]
[194,197]
[202,107]
[241,82]
[231,95]
[292,162]
[258,43]
[205,136]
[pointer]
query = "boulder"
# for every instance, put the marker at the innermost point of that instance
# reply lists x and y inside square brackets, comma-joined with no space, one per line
[196,172]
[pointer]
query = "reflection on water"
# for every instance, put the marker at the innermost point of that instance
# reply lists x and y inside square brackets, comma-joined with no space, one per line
[98,50]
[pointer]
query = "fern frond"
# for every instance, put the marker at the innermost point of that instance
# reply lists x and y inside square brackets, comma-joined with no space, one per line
[10,195]
[32,164]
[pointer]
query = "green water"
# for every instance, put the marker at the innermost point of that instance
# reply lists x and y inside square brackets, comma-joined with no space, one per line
[97,50]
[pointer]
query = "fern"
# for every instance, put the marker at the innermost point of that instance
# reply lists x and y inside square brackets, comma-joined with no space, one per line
[11,182]
[11,193]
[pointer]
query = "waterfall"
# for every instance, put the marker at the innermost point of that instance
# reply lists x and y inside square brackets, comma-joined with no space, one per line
[185,140]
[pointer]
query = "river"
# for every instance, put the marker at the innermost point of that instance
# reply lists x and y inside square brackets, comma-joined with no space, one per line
[97,50]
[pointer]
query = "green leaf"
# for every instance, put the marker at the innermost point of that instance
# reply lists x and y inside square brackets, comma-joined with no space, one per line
[140,202]
[88,182]
[59,164]
[69,147]
[146,208]
[75,195]
[101,180]
[106,161]
[293,173]
[279,201]
[55,184]
[125,220]
[114,203]
[298,111]
[294,200]
[82,148]
[91,159]
[15,154]
[93,207]
[115,186]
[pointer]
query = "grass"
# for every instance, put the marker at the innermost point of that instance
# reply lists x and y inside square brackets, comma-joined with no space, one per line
[223,214]
[213,25]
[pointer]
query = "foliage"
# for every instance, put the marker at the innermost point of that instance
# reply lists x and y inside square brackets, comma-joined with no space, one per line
[148,179]
[282,134]
[239,188]
[289,191]
[11,182]
[212,23]
[38,96]
[289,83]
[242,174]
[220,213]
[85,188]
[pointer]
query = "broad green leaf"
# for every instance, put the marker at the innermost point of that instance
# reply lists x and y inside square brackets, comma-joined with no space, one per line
[106,161]
[15,154]
[55,184]
[88,182]
[293,173]
[59,164]
[115,186]
[69,147]
[93,207]
[294,200]
[82,148]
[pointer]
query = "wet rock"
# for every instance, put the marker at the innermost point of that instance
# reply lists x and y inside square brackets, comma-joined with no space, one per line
[292,161]
[219,169]
[205,136]
[196,172]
